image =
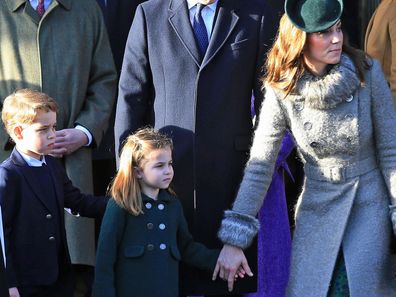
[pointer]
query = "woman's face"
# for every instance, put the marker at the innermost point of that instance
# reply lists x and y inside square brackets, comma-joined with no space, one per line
[323,48]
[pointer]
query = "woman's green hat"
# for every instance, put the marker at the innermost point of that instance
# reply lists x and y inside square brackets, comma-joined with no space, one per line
[313,15]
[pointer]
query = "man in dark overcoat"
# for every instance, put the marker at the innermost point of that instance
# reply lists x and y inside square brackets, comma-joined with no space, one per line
[202,99]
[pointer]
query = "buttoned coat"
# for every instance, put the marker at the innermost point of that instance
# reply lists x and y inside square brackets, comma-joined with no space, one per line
[380,41]
[29,219]
[139,255]
[65,54]
[346,137]
[204,106]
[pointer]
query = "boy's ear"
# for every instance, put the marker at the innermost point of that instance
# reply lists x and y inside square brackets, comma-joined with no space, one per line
[138,172]
[17,132]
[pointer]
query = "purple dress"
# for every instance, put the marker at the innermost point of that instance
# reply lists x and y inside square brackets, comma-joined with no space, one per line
[274,240]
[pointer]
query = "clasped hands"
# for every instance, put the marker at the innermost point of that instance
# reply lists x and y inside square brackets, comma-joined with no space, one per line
[231,264]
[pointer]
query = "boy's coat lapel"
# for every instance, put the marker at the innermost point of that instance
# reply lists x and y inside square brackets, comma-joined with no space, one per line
[32,179]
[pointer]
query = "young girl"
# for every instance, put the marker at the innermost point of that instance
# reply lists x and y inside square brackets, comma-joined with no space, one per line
[144,234]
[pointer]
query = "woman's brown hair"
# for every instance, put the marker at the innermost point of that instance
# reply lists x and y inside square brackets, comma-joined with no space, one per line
[285,64]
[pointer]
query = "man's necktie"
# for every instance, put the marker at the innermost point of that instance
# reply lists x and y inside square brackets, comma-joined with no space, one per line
[199,27]
[40,8]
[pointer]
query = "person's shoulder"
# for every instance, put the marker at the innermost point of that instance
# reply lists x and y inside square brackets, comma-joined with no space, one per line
[8,170]
[90,9]
[156,6]
[170,197]
[253,6]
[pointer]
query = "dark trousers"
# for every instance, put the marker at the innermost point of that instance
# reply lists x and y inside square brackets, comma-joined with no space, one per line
[63,287]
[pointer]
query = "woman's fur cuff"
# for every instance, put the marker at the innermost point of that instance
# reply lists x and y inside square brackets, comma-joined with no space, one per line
[238,229]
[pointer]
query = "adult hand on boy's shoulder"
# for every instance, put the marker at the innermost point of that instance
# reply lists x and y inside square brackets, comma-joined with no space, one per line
[67,141]
[13,292]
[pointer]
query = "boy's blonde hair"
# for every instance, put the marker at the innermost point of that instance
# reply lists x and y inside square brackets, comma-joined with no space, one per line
[22,107]
[125,188]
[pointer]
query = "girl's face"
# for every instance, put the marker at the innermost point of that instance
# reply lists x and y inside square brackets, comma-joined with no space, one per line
[323,48]
[156,172]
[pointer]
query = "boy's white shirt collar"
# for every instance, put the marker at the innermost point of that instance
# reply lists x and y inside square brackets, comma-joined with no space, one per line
[32,162]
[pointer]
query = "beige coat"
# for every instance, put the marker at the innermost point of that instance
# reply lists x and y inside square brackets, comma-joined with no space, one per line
[67,55]
[381,40]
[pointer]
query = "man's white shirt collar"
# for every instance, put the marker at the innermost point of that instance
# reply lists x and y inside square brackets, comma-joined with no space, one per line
[192,3]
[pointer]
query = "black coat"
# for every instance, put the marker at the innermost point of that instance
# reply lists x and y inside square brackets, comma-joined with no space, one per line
[30,219]
[205,107]
[139,255]
[118,16]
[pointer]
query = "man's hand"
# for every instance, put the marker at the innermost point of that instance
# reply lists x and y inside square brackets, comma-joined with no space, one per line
[13,292]
[68,141]
[231,262]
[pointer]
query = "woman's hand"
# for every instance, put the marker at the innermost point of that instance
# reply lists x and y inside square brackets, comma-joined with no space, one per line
[231,262]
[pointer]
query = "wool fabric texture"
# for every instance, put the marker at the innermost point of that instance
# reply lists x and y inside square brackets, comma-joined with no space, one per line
[335,126]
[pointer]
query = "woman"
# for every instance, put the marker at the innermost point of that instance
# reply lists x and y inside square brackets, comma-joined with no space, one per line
[339,109]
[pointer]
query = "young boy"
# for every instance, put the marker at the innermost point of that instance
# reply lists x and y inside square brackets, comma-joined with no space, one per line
[34,189]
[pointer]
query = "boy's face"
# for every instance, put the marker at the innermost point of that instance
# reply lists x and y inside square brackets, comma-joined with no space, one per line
[38,138]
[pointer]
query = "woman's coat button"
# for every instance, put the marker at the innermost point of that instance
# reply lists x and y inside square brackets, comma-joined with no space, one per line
[161,206]
[314,144]
[162,246]
[148,205]
[307,126]
[349,99]
[161,226]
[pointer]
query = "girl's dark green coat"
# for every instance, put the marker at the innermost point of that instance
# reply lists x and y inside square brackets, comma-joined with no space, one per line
[139,255]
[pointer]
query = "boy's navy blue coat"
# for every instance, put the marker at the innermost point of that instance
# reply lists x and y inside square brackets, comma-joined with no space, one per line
[139,255]
[29,224]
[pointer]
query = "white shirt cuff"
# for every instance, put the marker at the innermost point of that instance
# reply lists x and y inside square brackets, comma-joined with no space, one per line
[86,132]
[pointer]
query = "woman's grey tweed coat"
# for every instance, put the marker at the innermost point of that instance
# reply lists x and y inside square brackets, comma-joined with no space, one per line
[346,136]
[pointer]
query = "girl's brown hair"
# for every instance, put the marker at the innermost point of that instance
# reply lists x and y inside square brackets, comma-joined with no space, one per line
[125,188]
[285,63]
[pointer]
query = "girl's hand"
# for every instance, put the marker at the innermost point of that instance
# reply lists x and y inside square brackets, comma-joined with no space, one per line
[228,265]
[13,292]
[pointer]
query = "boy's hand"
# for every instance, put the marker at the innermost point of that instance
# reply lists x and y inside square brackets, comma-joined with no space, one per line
[13,292]
[67,141]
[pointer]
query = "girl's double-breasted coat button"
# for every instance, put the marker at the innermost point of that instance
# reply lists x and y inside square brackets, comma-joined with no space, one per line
[150,226]
[51,238]
[48,216]
[161,226]
[162,246]
[150,247]
[314,144]
[349,99]
[161,206]
[307,126]
[148,205]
